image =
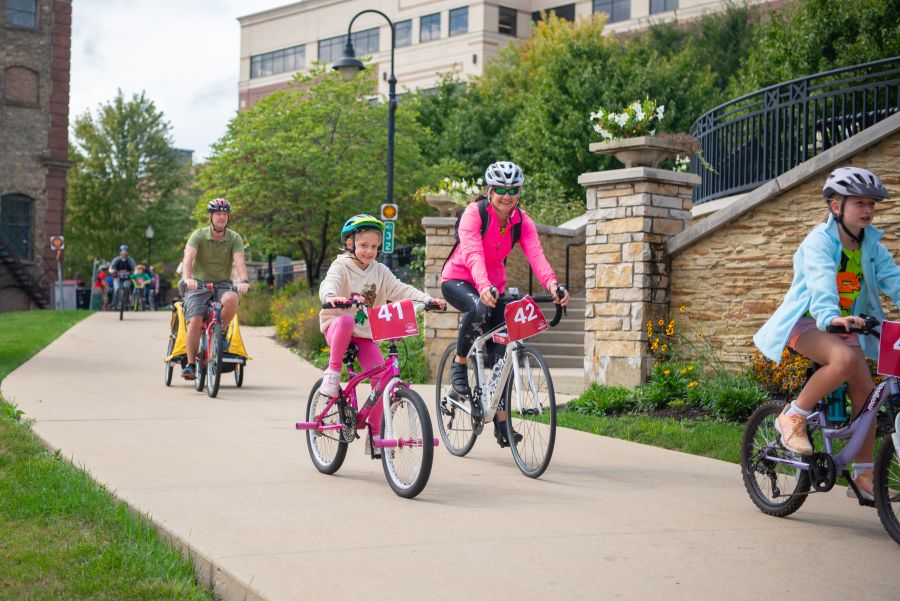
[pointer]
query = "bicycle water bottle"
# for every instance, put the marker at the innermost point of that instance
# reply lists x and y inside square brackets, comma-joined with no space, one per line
[837,405]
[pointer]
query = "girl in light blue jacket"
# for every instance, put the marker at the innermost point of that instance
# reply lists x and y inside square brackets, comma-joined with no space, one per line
[839,269]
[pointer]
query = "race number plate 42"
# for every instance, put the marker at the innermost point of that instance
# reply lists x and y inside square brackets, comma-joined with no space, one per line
[524,319]
[889,351]
[393,320]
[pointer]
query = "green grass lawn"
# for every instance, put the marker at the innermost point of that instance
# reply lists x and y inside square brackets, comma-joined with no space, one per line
[62,536]
[715,439]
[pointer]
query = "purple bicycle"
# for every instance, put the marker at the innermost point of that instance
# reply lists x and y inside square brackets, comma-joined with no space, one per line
[407,441]
[779,481]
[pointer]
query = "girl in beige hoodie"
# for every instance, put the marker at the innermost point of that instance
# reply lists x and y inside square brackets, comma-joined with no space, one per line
[356,274]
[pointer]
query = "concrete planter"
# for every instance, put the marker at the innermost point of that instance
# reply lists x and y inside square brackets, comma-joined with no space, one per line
[645,151]
[443,203]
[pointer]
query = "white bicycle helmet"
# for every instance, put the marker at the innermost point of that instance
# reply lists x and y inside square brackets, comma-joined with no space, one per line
[854,181]
[504,173]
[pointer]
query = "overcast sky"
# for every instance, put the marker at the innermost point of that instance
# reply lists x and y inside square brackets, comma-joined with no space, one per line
[183,53]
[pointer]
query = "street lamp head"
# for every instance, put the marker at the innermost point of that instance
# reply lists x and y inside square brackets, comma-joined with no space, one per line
[348,65]
[149,232]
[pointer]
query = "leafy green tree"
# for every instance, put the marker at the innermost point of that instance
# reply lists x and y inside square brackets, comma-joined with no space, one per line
[303,160]
[811,36]
[125,175]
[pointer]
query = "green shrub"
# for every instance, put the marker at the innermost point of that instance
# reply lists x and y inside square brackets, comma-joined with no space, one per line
[669,381]
[256,308]
[604,400]
[730,396]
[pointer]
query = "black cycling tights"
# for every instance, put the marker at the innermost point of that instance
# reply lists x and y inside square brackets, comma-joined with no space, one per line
[477,318]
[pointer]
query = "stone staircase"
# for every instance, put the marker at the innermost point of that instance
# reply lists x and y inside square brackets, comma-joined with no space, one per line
[34,285]
[563,347]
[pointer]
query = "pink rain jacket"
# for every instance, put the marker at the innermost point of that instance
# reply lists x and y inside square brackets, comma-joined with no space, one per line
[480,261]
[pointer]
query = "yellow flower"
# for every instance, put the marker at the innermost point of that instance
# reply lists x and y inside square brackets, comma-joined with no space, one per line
[690,368]
[661,322]
[682,308]
[666,372]
[692,384]
[682,372]
[670,329]
[325,349]
[649,328]
[665,347]
[655,344]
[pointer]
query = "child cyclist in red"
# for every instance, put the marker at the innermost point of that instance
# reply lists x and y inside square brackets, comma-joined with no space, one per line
[839,270]
[356,274]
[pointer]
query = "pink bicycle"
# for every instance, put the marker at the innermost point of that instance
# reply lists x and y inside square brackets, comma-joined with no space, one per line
[407,441]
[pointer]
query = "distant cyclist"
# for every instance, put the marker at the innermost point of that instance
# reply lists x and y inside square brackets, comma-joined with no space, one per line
[477,264]
[209,256]
[121,269]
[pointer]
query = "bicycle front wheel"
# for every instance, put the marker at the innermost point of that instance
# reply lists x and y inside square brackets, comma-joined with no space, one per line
[326,447]
[407,466]
[169,367]
[887,488]
[531,413]
[214,364]
[454,423]
[775,488]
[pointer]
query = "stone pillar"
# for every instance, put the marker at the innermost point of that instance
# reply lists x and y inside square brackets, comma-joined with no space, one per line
[440,328]
[631,213]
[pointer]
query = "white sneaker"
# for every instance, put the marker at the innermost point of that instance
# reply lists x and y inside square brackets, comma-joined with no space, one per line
[369,449]
[331,383]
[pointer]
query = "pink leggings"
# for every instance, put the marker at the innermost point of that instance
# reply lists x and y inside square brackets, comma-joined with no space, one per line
[339,335]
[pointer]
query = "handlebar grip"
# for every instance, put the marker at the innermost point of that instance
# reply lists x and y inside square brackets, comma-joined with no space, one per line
[557,316]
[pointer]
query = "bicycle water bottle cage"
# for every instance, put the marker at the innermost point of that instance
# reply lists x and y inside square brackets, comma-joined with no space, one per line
[837,405]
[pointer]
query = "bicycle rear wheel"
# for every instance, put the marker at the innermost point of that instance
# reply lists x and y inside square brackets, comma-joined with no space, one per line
[326,448]
[454,424]
[238,375]
[408,467]
[887,488]
[214,363]
[775,488]
[531,413]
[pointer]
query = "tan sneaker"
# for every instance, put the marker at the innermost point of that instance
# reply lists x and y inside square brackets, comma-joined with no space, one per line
[793,432]
[864,483]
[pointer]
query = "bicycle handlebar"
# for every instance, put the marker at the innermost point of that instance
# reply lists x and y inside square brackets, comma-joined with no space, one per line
[431,306]
[868,328]
[544,298]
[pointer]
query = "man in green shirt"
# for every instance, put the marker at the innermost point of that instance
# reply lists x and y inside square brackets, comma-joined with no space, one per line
[209,256]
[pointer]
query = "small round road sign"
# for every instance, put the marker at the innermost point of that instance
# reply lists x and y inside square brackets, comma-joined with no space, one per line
[57,242]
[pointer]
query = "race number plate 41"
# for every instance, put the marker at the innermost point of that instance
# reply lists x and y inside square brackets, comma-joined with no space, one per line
[393,320]
[524,319]
[889,351]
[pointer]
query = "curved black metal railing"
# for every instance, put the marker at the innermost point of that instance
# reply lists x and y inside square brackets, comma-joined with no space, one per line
[757,137]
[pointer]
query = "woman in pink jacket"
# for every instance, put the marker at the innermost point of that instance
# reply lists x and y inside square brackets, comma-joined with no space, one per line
[476,265]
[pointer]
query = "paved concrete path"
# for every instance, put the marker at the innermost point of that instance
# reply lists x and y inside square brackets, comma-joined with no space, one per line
[230,478]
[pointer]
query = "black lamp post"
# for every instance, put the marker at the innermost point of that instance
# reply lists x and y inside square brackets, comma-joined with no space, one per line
[348,66]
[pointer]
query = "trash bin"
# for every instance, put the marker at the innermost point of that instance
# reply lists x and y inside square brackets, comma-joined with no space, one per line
[66,300]
[82,298]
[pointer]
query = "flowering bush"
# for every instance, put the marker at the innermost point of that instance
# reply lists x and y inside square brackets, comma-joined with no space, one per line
[636,119]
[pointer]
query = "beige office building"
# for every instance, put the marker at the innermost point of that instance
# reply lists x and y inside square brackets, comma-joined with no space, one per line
[433,37]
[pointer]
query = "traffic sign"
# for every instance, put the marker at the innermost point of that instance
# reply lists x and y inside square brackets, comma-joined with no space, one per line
[388,211]
[387,245]
[57,243]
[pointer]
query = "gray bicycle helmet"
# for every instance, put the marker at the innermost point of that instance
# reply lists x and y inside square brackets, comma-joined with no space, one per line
[854,181]
[504,173]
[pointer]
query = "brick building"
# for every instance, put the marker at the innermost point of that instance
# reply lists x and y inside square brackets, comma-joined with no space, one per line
[35,45]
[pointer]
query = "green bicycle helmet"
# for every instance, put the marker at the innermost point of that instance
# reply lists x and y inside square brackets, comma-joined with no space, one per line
[359,222]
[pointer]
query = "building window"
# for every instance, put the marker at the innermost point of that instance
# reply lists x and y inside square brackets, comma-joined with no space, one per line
[661,6]
[21,87]
[22,13]
[618,10]
[365,43]
[459,21]
[403,33]
[566,11]
[279,61]
[15,224]
[430,28]
[508,18]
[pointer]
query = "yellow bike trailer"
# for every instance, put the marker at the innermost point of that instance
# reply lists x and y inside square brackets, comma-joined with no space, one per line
[235,359]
